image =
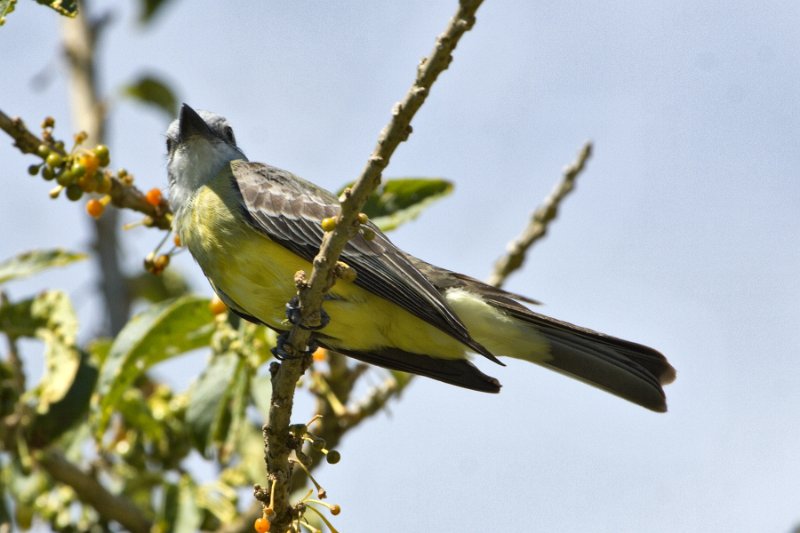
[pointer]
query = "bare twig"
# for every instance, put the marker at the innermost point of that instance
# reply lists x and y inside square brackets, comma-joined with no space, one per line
[90,491]
[311,291]
[540,220]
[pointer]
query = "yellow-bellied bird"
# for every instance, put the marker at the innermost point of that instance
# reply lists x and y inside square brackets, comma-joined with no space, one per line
[251,226]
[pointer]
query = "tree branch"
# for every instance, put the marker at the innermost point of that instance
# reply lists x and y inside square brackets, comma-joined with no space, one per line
[91,492]
[311,291]
[540,220]
[89,115]
[122,196]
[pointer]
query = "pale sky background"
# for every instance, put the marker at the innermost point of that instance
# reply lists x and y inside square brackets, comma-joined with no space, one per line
[682,234]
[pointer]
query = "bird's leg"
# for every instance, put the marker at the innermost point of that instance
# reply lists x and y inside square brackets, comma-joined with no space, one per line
[280,353]
[293,314]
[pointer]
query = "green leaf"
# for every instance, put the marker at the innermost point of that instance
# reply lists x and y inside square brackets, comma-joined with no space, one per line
[152,91]
[399,200]
[6,7]
[61,355]
[261,393]
[67,8]
[35,261]
[149,9]
[169,284]
[162,331]
[51,318]
[70,410]
[180,511]
[209,400]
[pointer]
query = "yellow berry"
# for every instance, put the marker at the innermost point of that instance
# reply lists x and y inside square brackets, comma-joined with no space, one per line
[217,306]
[90,161]
[363,218]
[153,197]
[104,186]
[328,224]
[95,207]
[43,150]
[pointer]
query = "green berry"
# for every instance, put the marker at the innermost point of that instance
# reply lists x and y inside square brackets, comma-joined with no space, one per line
[65,177]
[33,169]
[333,457]
[48,173]
[101,151]
[74,192]
[54,160]
[78,170]
[43,150]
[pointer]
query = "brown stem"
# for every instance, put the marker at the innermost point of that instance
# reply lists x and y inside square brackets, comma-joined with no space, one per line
[540,220]
[311,291]
[91,492]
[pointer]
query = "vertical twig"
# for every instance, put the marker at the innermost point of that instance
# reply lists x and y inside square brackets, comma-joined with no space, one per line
[540,220]
[311,290]
[88,114]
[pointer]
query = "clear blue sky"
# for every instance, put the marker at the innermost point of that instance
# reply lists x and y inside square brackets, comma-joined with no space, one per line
[683,233]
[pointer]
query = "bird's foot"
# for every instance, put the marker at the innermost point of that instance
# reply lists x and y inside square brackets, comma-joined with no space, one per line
[294,316]
[281,354]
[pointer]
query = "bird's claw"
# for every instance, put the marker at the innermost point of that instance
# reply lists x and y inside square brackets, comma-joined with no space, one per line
[294,316]
[280,353]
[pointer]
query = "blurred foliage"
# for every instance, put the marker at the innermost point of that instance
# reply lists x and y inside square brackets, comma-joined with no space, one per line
[154,92]
[104,408]
[99,405]
[400,200]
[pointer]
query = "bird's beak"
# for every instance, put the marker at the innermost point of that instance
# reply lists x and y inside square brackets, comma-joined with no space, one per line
[192,124]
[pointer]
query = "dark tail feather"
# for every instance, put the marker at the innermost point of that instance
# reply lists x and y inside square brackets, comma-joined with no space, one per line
[458,372]
[627,369]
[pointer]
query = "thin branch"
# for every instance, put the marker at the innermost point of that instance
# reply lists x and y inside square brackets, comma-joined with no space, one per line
[285,375]
[540,220]
[89,114]
[90,491]
[122,195]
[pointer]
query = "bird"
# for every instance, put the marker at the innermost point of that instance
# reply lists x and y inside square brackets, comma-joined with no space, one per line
[251,226]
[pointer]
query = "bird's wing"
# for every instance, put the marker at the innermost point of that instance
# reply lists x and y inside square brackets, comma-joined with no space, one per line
[289,210]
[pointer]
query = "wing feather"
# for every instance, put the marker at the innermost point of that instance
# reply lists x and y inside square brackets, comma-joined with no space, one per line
[289,210]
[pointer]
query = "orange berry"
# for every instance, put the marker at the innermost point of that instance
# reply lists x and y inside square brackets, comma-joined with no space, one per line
[95,207]
[153,197]
[320,354]
[261,525]
[217,306]
[161,262]
[90,162]
[335,509]
[177,240]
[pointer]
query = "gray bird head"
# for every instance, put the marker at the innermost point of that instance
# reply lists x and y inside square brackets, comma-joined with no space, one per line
[199,145]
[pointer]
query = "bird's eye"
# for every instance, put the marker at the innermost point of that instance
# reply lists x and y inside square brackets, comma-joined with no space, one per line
[229,134]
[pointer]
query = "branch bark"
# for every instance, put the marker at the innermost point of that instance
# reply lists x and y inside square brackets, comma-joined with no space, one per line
[90,491]
[311,290]
[540,220]
[89,115]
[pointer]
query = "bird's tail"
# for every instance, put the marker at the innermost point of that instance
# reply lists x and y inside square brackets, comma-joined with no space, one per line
[626,369]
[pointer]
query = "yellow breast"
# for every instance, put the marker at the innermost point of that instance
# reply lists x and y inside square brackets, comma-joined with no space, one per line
[257,274]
